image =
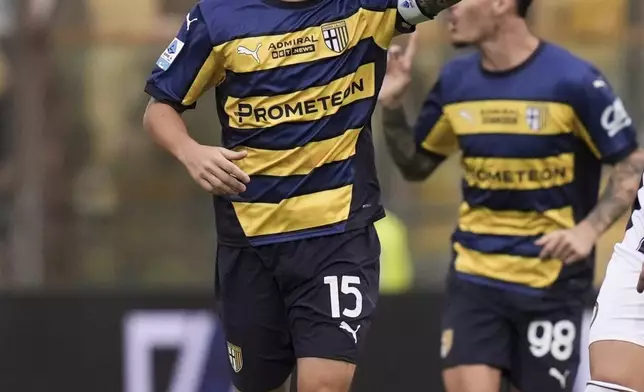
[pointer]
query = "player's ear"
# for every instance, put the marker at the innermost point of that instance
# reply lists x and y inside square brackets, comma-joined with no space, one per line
[502,7]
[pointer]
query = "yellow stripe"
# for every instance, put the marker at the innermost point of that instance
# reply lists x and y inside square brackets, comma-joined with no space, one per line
[210,74]
[481,220]
[301,160]
[297,213]
[527,271]
[519,174]
[306,105]
[441,138]
[306,45]
[582,132]
[510,117]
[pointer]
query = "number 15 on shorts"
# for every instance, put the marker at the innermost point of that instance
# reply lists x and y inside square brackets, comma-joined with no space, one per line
[346,286]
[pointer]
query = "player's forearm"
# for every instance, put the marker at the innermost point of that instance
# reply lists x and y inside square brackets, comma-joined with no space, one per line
[434,7]
[419,11]
[619,193]
[167,128]
[401,144]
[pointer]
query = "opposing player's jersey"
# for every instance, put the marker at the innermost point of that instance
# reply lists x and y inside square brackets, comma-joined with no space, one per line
[296,85]
[533,140]
[633,242]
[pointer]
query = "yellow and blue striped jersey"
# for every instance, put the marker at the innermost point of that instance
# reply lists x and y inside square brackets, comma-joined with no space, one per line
[533,140]
[296,84]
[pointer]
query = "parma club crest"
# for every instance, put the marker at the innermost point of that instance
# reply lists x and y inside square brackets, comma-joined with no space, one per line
[235,357]
[336,36]
[536,117]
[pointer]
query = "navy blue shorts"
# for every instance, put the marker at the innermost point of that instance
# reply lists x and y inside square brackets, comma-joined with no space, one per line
[308,298]
[534,340]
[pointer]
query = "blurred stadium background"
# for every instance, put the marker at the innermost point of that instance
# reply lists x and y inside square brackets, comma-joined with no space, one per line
[96,222]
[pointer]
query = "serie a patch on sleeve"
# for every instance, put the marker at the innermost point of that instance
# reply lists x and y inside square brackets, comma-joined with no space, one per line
[170,54]
[411,13]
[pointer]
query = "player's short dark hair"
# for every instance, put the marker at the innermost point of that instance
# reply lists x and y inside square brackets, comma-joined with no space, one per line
[523,6]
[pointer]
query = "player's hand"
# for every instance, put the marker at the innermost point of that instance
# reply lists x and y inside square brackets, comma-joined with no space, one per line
[213,169]
[640,282]
[569,245]
[398,75]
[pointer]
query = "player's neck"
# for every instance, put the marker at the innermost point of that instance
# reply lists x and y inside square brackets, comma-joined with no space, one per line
[512,46]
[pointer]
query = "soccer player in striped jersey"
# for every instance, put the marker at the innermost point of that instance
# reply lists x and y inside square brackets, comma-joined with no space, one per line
[534,124]
[296,192]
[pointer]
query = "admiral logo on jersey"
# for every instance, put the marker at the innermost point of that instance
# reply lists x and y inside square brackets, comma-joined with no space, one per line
[295,89]
[293,47]
[533,143]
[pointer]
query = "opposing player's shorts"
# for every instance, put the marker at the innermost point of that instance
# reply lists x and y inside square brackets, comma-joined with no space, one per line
[619,311]
[535,341]
[308,298]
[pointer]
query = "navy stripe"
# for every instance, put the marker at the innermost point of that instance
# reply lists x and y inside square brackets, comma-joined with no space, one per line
[290,135]
[498,244]
[273,189]
[517,146]
[520,95]
[513,200]
[378,5]
[297,77]
[520,289]
[336,228]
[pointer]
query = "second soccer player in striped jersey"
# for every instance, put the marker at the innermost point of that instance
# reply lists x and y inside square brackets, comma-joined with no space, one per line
[534,124]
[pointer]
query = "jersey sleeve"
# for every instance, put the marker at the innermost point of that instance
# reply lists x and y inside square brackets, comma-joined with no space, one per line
[433,131]
[391,22]
[402,27]
[602,121]
[188,67]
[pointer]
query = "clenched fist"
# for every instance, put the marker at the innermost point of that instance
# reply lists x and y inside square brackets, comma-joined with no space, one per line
[213,169]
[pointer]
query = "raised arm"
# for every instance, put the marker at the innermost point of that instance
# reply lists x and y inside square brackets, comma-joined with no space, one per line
[414,165]
[414,149]
[418,11]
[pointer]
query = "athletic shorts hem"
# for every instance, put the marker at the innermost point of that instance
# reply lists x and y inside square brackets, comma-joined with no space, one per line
[241,386]
[455,364]
[338,358]
[245,242]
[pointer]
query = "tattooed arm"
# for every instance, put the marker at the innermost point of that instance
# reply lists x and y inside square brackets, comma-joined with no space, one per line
[415,161]
[577,243]
[604,126]
[431,8]
[618,196]
[422,10]
[413,164]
